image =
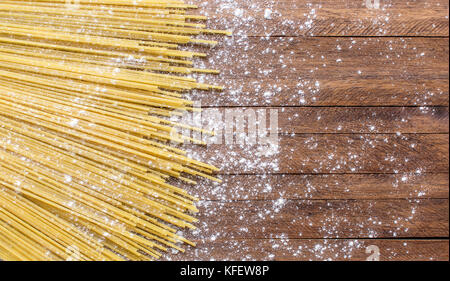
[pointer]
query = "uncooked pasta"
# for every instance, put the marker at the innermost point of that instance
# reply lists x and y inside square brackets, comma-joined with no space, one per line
[87,148]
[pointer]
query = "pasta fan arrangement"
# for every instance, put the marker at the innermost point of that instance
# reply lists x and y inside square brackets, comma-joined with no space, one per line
[86,143]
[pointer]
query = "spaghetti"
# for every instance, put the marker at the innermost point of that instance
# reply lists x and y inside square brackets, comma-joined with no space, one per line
[84,167]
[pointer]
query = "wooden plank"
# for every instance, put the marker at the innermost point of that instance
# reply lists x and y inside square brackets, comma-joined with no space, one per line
[363,120]
[328,71]
[315,249]
[308,219]
[328,18]
[366,120]
[332,153]
[314,187]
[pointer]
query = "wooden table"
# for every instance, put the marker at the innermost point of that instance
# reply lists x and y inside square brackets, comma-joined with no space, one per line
[362,166]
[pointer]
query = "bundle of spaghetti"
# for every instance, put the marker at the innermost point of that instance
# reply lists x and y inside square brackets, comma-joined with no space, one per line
[87,146]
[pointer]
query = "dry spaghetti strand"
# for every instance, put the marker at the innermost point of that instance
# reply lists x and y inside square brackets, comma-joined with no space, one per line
[86,148]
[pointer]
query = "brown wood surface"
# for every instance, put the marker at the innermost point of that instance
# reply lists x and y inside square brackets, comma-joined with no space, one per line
[345,120]
[380,218]
[398,73]
[330,18]
[334,153]
[316,249]
[324,187]
[362,100]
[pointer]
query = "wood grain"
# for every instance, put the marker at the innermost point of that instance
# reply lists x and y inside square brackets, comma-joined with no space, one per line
[285,218]
[324,187]
[362,98]
[357,120]
[302,71]
[363,120]
[333,153]
[315,249]
[329,18]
